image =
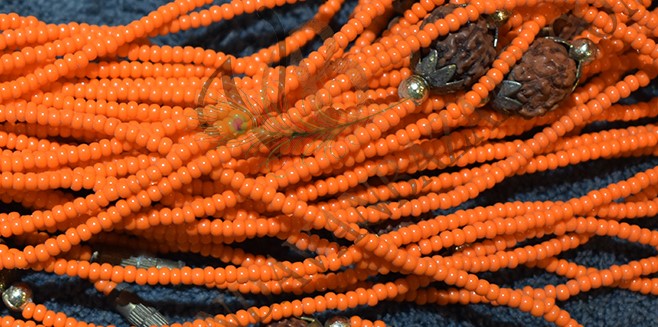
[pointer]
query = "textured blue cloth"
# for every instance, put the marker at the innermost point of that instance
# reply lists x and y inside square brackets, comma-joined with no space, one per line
[603,307]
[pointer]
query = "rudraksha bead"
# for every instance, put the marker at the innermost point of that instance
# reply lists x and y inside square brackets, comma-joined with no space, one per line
[457,60]
[539,81]
[567,27]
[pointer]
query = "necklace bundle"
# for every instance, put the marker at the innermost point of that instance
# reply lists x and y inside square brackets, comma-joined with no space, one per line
[121,157]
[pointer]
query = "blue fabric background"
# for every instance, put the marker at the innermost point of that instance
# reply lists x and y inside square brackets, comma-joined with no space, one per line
[243,35]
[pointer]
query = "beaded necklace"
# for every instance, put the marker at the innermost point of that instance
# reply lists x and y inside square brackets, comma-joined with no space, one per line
[354,155]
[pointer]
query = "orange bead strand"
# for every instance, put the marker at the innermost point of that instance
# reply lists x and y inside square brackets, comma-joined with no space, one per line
[110,141]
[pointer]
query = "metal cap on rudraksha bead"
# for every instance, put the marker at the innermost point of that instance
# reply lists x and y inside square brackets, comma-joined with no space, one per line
[457,60]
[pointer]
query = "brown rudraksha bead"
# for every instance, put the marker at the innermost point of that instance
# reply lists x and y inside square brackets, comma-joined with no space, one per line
[400,6]
[543,77]
[457,60]
[567,26]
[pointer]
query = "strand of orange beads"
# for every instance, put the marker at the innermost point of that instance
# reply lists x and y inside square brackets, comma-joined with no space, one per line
[162,183]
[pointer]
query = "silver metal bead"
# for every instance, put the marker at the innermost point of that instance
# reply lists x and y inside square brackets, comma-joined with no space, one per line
[131,307]
[124,259]
[337,321]
[582,50]
[17,296]
[414,88]
[495,21]
[499,18]
[146,262]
